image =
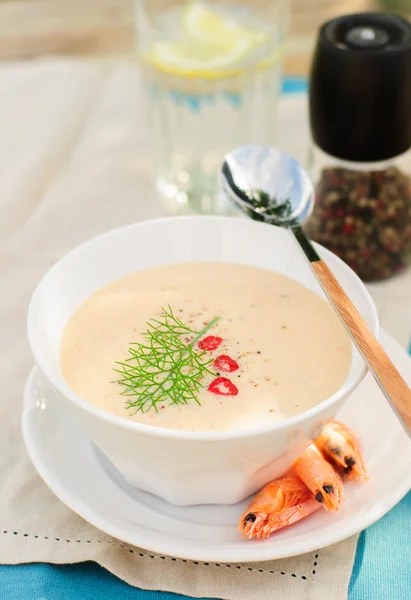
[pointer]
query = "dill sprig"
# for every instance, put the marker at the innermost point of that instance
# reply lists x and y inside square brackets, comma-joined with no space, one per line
[166,367]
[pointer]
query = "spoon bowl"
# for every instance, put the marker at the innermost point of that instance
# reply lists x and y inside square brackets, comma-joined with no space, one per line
[268,185]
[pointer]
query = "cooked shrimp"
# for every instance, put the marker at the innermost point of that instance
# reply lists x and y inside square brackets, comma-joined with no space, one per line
[340,445]
[280,503]
[313,481]
[320,477]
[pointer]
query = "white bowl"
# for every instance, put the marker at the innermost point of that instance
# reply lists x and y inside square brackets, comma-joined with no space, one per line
[185,467]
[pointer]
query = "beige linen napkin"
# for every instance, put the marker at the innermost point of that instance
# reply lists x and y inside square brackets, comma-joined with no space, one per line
[77,165]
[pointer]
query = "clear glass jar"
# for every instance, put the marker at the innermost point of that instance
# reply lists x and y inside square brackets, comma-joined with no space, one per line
[362,212]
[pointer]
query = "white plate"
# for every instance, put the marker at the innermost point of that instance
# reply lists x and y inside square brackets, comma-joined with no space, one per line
[84,480]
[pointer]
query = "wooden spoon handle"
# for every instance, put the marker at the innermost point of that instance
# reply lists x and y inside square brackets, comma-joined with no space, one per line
[390,381]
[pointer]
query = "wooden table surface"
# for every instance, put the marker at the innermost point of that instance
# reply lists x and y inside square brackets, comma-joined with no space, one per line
[31,28]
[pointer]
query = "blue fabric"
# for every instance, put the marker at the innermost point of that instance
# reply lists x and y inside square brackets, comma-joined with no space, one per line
[382,568]
[86,581]
[294,85]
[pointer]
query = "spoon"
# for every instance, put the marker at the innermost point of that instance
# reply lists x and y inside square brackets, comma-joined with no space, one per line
[271,186]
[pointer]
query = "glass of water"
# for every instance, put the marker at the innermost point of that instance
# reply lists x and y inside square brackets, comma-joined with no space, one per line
[212,75]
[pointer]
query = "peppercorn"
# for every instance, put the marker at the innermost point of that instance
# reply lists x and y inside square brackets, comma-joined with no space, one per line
[365,218]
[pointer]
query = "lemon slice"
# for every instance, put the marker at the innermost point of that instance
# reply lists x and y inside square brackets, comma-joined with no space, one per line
[195,59]
[209,26]
[213,45]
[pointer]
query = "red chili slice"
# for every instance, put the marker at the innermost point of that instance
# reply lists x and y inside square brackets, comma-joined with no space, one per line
[223,387]
[225,363]
[210,343]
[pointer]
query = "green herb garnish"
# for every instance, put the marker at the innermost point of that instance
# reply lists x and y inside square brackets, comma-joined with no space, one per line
[166,367]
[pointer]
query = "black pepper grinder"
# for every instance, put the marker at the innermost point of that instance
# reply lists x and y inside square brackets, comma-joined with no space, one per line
[360,118]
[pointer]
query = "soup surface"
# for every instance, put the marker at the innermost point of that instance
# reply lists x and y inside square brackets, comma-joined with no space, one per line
[284,349]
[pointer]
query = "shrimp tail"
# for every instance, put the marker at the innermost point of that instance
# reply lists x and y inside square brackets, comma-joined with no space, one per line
[342,448]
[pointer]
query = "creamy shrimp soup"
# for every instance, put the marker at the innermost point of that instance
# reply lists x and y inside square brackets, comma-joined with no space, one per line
[205,346]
